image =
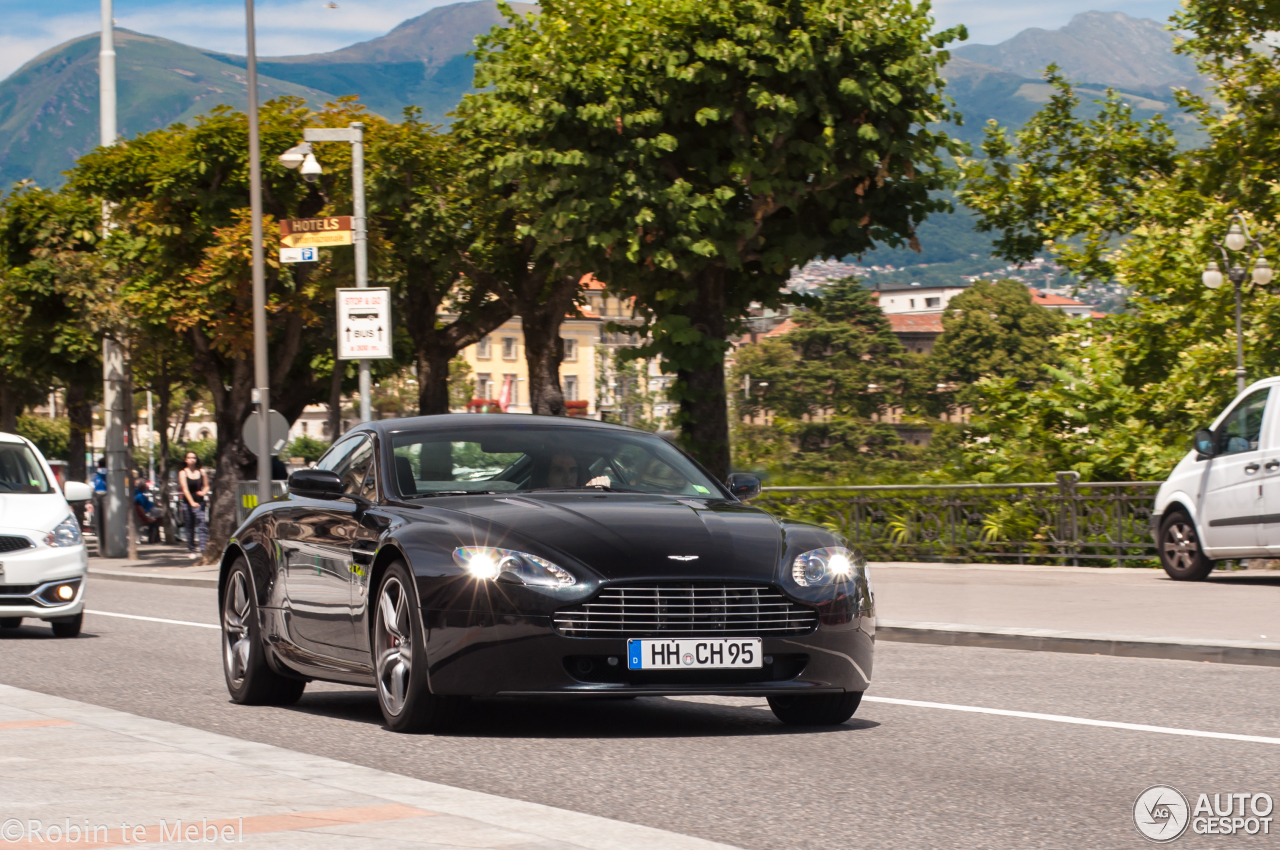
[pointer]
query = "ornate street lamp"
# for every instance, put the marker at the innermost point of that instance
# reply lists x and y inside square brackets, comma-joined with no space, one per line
[1238,239]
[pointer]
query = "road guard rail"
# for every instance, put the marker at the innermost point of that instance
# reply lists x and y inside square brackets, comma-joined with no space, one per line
[1065,521]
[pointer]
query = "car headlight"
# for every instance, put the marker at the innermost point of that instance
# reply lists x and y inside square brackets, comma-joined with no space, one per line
[65,533]
[488,562]
[831,565]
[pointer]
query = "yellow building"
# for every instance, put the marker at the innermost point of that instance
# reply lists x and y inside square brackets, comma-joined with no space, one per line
[498,360]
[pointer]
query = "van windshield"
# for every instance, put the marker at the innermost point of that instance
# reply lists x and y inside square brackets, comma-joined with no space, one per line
[489,458]
[20,472]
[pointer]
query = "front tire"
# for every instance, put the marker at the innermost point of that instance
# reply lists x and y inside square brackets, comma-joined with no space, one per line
[10,622]
[250,679]
[67,627]
[400,659]
[1180,552]
[815,709]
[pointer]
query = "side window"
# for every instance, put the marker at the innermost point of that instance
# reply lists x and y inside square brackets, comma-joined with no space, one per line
[351,460]
[1242,429]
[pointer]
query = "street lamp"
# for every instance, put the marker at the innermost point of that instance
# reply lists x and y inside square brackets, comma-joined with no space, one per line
[300,156]
[1238,239]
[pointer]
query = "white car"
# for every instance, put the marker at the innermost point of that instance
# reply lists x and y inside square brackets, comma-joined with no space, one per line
[1222,501]
[43,562]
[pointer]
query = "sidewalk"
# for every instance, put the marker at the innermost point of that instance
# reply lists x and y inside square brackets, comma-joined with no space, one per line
[1233,617]
[157,562]
[132,780]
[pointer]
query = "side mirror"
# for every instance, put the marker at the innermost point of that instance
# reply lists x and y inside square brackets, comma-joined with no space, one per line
[1206,444]
[316,484]
[77,491]
[743,486]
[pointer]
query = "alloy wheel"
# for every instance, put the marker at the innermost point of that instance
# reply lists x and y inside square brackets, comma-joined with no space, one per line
[235,628]
[393,646]
[1181,548]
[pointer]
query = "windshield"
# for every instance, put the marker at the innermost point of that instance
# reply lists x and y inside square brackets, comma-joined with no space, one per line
[20,472]
[519,458]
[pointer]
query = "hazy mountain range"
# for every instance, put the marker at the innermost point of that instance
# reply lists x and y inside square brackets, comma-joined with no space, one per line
[49,107]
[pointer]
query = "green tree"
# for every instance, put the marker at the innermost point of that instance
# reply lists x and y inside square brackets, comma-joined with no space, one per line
[995,330]
[181,239]
[53,307]
[828,385]
[691,152]
[426,222]
[306,447]
[1113,200]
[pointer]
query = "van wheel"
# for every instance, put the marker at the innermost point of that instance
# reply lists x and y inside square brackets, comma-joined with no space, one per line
[10,622]
[1180,552]
[67,627]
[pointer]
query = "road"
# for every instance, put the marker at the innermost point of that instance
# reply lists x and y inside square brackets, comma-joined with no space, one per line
[894,776]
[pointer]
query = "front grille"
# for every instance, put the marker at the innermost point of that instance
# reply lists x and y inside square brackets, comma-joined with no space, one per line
[675,609]
[17,589]
[11,543]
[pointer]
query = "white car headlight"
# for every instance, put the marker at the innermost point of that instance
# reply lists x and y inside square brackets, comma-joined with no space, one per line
[65,533]
[488,562]
[831,565]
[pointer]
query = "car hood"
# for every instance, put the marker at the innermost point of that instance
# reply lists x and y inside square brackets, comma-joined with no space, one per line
[626,536]
[32,512]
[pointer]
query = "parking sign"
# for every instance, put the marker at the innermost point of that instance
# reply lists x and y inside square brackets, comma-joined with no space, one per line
[364,324]
[298,255]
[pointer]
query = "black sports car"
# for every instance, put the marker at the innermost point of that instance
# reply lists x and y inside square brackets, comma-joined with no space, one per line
[448,557]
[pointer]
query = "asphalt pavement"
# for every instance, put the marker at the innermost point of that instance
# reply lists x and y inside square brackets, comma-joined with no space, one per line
[955,746]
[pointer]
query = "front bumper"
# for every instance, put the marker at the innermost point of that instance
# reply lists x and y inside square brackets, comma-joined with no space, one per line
[29,576]
[487,655]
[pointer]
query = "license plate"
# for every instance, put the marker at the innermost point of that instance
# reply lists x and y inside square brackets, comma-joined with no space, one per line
[693,653]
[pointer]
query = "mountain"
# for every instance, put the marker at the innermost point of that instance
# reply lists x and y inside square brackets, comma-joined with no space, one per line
[49,107]
[422,62]
[1107,48]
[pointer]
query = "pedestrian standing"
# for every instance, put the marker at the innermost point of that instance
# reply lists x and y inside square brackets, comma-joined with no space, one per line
[193,481]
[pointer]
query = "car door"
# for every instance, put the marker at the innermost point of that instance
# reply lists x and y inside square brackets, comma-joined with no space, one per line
[1232,503]
[319,570]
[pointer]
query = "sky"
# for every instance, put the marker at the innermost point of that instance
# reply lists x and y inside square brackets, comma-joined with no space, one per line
[306,26]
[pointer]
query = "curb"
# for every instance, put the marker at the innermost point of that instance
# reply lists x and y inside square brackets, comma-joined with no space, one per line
[152,578]
[1048,640]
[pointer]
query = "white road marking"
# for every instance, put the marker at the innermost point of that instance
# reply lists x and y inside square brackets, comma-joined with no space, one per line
[1079,721]
[152,619]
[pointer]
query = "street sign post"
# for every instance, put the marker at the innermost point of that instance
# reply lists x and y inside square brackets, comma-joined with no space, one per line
[299,255]
[364,323]
[315,232]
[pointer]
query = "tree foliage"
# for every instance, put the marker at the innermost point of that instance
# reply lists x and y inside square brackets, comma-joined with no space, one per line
[1135,386]
[691,152]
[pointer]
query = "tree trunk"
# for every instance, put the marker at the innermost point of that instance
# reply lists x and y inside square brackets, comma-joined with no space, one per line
[164,398]
[543,348]
[699,386]
[9,409]
[80,415]
[433,381]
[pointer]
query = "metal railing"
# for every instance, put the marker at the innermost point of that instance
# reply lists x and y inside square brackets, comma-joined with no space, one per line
[247,497]
[1060,522]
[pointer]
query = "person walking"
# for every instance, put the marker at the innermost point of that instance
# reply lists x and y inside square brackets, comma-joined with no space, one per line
[193,482]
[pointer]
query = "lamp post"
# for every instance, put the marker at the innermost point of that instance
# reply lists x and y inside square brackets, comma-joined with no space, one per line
[1238,239]
[302,155]
[261,396]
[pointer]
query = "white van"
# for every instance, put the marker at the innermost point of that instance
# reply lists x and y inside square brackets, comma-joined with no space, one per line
[43,562]
[1222,501]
